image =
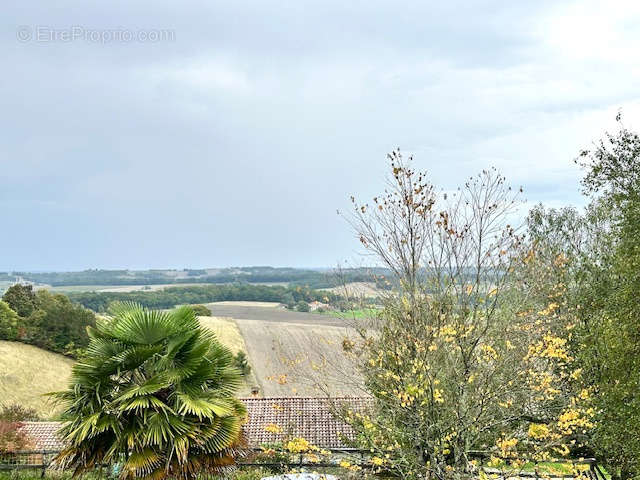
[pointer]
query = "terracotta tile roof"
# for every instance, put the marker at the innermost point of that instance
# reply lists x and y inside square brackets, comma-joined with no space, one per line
[310,418]
[43,435]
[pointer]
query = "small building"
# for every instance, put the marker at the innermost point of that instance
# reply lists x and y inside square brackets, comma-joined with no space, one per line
[316,305]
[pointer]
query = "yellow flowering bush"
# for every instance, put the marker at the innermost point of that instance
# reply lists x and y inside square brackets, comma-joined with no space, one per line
[469,353]
[273,428]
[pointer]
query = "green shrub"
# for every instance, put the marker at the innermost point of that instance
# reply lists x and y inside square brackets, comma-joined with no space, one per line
[302,306]
[201,310]
[11,437]
[18,413]
[241,362]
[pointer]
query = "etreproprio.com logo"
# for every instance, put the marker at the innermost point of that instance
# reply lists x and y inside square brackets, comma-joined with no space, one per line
[80,33]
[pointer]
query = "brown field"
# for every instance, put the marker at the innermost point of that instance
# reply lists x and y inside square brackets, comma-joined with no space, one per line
[292,359]
[253,311]
[28,372]
[292,352]
[228,334]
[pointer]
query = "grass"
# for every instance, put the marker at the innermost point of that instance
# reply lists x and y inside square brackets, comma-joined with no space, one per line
[227,332]
[554,469]
[28,372]
[355,313]
[229,335]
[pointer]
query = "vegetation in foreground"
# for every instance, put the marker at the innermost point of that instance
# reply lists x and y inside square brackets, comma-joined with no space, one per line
[12,439]
[522,347]
[525,347]
[468,358]
[600,251]
[242,473]
[155,393]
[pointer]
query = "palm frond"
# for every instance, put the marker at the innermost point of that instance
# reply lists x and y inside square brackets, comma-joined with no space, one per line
[154,388]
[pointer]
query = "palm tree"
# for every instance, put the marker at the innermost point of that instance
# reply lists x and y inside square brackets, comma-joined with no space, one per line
[154,393]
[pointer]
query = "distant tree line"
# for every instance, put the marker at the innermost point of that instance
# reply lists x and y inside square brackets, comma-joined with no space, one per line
[46,320]
[91,277]
[260,274]
[172,296]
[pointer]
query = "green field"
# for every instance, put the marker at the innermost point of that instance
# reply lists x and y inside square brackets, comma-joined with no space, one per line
[355,313]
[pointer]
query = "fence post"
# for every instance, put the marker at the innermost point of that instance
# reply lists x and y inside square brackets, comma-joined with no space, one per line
[44,463]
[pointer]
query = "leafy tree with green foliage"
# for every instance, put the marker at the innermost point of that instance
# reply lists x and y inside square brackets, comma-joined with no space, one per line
[17,413]
[49,321]
[57,324]
[610,311]
[21,298]
[595,258]
[156,393]
[201,310]
[302,306]
[8,322]
[463,357]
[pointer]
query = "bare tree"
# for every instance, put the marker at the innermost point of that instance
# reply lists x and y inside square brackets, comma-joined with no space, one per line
[459,359]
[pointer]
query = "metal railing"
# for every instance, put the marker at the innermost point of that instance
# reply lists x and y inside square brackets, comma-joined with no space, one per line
[42,460]
[28,459]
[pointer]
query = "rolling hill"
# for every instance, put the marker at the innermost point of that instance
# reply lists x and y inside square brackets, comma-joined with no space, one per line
[28,372]
[289,352]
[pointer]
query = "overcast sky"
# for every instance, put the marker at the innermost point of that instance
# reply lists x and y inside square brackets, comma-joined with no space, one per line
[193,134]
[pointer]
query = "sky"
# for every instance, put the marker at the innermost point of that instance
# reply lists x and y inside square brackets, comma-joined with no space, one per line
[156,134]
